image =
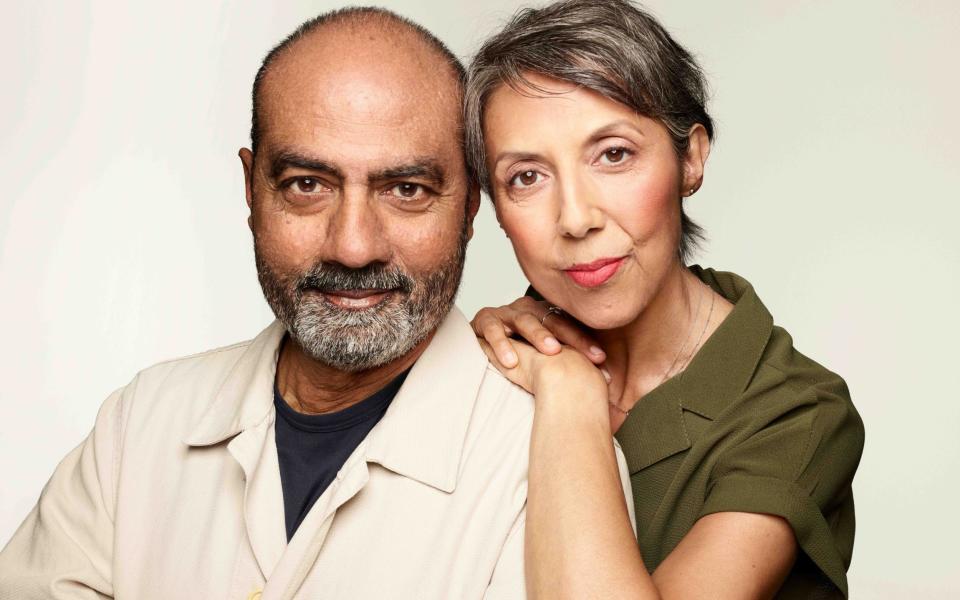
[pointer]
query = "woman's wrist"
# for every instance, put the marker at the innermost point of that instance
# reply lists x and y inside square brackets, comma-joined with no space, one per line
[565,391]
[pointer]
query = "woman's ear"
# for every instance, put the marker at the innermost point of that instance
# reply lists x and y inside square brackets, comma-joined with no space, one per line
[698,149]
[473,206]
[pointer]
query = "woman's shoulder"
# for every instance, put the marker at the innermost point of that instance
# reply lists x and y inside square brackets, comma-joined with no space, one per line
[788,380]
[769,372]
[798,370]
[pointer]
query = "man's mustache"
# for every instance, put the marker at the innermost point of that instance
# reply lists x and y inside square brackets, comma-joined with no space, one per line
[334,277]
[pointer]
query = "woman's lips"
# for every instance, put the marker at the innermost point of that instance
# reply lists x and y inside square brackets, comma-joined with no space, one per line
[594,273]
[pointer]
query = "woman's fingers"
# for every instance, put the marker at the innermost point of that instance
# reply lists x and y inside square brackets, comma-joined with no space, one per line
[522,373]
[573,335]
[529,327]
[489,326]
[514,374]
[534,321]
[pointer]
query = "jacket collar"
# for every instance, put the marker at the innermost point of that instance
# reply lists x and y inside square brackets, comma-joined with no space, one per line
[246,395]
[422,434]
[716,376]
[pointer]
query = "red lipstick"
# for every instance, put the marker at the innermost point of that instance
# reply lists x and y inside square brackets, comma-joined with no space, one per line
[594,273]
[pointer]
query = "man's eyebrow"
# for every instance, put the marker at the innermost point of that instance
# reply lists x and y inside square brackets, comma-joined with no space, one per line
[422,169]
[286,160]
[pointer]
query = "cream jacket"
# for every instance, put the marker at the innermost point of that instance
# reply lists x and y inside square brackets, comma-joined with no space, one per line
[176,493]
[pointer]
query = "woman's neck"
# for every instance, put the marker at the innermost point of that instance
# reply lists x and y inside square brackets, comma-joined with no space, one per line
[663,338]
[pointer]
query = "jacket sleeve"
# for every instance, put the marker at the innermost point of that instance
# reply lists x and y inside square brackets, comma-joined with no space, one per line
[64,548]
[508,582]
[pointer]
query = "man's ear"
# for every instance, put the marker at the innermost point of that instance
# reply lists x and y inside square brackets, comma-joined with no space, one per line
[246,159]
[473,206]
[698,149]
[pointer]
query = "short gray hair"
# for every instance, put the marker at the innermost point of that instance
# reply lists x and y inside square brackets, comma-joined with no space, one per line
[612,47]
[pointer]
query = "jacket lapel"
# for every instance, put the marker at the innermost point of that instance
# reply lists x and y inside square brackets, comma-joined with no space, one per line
[242,412]
[256,451]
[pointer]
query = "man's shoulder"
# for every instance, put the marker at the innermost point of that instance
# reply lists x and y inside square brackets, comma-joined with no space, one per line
[503,413]
[196,367]
[182,388]
[497,388]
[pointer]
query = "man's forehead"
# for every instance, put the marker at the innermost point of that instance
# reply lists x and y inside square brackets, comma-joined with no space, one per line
[364,144]
[358,78]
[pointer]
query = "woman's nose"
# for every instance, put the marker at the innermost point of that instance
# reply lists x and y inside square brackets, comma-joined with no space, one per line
[579,210]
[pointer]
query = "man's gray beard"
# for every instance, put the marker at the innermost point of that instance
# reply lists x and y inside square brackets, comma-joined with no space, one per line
[356,340]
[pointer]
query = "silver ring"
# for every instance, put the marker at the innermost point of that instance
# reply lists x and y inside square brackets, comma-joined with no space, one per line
[552,310]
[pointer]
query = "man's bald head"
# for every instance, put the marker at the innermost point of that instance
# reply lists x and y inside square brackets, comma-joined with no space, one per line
[350,30]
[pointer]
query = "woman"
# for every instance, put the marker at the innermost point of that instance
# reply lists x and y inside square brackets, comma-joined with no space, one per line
[586,125]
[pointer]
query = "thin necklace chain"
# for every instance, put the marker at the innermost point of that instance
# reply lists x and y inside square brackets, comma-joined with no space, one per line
[713,298]
[703,332]
[693,321]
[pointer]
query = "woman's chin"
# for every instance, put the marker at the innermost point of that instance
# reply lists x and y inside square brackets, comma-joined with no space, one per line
[599,320]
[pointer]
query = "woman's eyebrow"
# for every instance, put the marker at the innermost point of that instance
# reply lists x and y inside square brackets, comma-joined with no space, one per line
[515,156]
[614,128]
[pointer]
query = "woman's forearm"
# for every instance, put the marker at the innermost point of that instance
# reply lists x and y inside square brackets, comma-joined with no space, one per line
[579,542]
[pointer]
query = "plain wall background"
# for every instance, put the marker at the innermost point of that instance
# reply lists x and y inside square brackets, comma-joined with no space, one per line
[832,187]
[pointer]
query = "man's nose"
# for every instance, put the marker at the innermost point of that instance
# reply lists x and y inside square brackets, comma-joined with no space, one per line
[356,236]
[579,212]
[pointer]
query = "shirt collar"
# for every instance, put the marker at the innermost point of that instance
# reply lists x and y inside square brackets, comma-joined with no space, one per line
[718,374]
[421,436]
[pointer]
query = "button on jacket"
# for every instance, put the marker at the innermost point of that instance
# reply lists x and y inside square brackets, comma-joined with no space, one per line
[176,493]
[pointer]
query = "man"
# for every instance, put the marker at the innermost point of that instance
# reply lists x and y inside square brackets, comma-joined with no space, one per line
[360,446]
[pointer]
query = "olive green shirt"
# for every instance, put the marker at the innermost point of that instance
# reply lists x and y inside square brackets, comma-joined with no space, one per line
[751,425]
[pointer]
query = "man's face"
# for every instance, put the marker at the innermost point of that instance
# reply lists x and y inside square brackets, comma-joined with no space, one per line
[360,205]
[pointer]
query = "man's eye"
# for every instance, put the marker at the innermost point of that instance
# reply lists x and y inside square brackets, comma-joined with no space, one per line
[614,155]
[525,179]
[306,185]
[406,190]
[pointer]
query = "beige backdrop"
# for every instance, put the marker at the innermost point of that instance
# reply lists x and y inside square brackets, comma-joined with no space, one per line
[833,187]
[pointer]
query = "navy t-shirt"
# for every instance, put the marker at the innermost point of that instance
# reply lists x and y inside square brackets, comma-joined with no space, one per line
[312,448]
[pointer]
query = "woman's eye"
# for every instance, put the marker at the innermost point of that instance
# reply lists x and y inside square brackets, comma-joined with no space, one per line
[306,185]
[525,179]
[612,156]
[407,191]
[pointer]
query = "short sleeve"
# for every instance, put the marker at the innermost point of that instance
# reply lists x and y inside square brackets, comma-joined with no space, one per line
[797,460]
[64,548]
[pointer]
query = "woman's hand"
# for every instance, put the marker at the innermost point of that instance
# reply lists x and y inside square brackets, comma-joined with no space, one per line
[561,354]
[532,320]
[533,370]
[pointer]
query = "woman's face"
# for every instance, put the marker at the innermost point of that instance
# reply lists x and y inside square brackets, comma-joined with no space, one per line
[588,192]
